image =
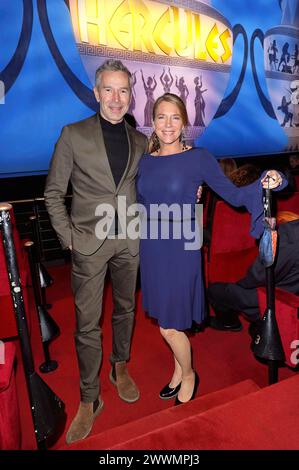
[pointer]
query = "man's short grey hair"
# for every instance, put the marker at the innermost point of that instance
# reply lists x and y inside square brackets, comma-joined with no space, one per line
[112,65]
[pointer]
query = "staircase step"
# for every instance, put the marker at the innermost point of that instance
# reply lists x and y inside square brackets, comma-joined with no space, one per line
[157,421]
[266,419]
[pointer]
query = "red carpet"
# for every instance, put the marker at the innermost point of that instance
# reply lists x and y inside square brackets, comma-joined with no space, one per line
[264,420]
[221,359]
[157,423]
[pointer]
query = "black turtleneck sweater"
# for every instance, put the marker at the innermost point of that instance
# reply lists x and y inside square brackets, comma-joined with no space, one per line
[117,147]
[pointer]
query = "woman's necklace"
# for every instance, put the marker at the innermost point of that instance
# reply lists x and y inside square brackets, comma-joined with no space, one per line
[183,148]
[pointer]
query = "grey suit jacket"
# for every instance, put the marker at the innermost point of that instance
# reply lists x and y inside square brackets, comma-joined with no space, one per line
[80,157]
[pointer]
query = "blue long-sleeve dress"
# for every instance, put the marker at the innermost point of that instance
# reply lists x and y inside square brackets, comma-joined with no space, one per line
[171,276]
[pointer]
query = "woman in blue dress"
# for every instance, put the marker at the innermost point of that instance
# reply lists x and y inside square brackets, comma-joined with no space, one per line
[170,257]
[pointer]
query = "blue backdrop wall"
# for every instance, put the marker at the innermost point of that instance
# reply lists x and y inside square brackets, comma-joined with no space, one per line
[46,84]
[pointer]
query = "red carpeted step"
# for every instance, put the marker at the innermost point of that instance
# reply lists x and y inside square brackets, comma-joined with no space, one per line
[157,422]
[221,359]
[263,420]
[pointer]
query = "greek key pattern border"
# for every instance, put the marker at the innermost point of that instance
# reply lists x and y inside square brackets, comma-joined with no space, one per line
[289,77]
[111,53]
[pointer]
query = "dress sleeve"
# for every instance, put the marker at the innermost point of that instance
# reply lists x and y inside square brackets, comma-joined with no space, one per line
[250,196]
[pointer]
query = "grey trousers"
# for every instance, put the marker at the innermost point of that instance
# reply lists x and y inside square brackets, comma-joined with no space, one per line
[88,278]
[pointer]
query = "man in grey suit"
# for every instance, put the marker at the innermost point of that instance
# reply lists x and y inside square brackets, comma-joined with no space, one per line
[100,156]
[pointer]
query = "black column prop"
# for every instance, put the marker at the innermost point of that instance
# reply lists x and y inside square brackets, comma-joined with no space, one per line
[48,327]
[46,407]
[267,342]
[44,276]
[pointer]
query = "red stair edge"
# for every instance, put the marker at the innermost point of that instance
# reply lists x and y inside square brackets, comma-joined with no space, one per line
[235,425]
[117,435]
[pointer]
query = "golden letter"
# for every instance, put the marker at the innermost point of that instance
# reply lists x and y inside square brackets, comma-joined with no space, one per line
[198,54]
[121,26]
[178,33]
[141,30]
[211,45]
[158,31]
[227,50]
[92,21]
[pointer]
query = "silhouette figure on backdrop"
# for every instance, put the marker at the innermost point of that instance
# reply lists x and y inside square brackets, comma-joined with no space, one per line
[284,59]
[184,92]
[199,103]
[166,80]
[272,55]
[149,88]
[284,108]
[296,59]
[133,98]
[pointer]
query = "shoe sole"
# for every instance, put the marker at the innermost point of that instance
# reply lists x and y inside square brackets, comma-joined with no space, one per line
[113,381]
[168,398]
[95,415]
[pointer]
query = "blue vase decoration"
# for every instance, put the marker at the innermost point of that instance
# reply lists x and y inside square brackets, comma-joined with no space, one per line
[281,63]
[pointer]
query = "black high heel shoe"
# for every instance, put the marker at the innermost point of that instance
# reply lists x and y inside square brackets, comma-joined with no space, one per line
[196,383]
[168,392]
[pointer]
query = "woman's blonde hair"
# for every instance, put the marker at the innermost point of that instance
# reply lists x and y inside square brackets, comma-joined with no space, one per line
[154,144]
